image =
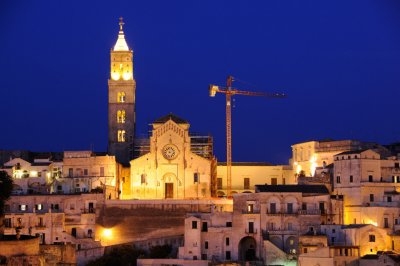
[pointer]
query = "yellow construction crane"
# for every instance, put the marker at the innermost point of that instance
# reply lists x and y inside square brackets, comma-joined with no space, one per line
[229,91]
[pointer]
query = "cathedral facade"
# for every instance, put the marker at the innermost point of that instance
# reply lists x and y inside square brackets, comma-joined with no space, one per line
[171,169]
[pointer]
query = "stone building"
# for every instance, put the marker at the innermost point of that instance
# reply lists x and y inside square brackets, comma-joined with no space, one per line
[370,185]
[245,175]
[84,171]
[307,156]
[55,219]
[264,226]
[33,175]
[170,169]
[121,101]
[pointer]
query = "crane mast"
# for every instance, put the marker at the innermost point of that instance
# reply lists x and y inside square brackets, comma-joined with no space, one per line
[229,91]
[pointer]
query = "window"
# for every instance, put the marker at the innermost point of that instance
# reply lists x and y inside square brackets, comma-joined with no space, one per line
[196,177]
[204,227]
[386,222]
[251,227]
[250,208]
[389,199]
[333,239]
[121,135]
[351,179]
[370,178]
[23,207]
[72,206]
[194,224]
[322,207]
[219,183]
[70,172]
[85,172]
[290,208]
[194,257]
[246,183]
[290,227]
[121,116]
[227,241]
[338,179]
[305,250]
[291,242]
[227,255]
[7,222]
[143,179]
[228,224]
[272,208]
[304,206]
[90,232]
[274,181]
[333,231]
[38,207]
[371,197]
[371,238]
[54,206]
[40,222]
[206,245]
[121,97]
[204,256]
[396,165]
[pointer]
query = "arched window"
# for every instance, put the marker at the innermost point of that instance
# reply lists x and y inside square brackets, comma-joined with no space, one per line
[121,116]
[121,97]
[121,135]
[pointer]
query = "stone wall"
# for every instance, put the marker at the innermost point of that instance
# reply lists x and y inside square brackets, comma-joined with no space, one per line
[55,254]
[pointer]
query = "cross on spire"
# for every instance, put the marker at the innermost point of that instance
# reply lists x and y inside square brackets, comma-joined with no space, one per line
[121,23]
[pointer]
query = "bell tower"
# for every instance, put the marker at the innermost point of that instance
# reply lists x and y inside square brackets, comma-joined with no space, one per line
[121,100]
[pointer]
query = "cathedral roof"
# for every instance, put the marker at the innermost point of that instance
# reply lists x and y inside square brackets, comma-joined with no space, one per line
[172,117]
[121,44]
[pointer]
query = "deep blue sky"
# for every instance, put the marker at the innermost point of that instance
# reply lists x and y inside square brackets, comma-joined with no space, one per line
[339,62]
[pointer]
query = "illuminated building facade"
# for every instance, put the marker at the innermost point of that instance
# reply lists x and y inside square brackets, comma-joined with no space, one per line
[170,169]
[308,156]
[121,101]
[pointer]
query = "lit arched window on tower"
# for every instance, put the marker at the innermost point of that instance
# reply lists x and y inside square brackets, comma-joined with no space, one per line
[121,135]
[121,97]
[121,116]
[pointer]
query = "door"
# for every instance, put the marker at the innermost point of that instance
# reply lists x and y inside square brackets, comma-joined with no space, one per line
[169,190]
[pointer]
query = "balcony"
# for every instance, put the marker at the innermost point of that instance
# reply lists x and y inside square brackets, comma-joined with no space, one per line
[250,211]
[382,204]
[250,231]
[312,212]
[285,213]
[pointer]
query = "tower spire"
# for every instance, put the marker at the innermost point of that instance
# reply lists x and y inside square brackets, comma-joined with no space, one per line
[121,23]
[121,44]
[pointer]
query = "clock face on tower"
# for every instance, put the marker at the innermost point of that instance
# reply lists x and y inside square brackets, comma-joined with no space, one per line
[170,151]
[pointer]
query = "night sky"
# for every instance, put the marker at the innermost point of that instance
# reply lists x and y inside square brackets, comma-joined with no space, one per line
[339,62]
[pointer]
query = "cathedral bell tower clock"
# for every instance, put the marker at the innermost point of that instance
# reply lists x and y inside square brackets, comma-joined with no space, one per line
[121,101]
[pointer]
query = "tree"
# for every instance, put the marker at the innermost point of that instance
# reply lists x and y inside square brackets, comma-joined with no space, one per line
[6,186]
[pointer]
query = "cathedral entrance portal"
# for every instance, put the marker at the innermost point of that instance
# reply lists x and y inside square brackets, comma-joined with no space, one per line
[169,190]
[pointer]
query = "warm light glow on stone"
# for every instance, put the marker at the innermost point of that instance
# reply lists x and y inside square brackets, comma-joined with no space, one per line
[127,76]
[115,75]
[107,233]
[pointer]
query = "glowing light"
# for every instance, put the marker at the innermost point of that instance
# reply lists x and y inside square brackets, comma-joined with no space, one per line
[107,233]
[33,174]
[127,76]
[313,162]
[115,75]
[298,169]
